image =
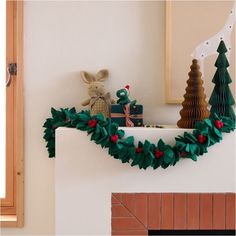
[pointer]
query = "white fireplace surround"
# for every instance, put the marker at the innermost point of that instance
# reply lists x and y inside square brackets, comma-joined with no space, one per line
[86,175]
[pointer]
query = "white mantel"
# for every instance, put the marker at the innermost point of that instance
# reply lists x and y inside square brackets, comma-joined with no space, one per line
[86,175]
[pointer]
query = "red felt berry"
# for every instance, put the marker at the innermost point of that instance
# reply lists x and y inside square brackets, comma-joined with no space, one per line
[138,150]
[92,123]
[158,153]
[183,154]
[201,138]
[67,119]
[114,138]
[218,124]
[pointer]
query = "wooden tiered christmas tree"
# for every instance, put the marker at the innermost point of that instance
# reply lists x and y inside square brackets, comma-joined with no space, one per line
[221,99]
[194,104]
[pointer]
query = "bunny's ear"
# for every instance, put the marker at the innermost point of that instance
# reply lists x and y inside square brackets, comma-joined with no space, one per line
[87,77]
[102,75]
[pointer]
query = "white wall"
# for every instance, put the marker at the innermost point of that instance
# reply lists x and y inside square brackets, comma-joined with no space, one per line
[63,38]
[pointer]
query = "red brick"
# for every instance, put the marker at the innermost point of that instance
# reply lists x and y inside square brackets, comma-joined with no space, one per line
[154,211]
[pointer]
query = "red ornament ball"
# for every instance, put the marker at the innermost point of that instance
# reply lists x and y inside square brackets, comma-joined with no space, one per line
[92,123]
[114,138]
[158,153]
[138,150]
[218,124]
[201,138]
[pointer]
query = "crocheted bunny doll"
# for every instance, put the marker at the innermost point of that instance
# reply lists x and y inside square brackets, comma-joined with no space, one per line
[100,101]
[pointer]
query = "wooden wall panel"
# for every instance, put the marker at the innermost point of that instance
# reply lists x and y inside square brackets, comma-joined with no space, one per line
[206,211]
[193,211]
[230,211]
[179,211]
[219,211]
[154,211]
[167,211]
[136,213]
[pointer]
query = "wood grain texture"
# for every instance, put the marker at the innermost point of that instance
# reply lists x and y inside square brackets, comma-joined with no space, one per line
[193,211]
[180,217]
[167,211]
[154,211]
[137,213]
[230,211]
[206,210]
[219,211]
[17,116]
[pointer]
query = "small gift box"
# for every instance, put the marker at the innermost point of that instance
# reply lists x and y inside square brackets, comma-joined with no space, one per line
[127,115]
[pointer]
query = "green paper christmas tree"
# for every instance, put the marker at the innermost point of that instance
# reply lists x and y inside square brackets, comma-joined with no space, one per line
[221,99]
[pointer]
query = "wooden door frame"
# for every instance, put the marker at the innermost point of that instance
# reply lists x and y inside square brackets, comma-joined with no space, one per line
[12,212]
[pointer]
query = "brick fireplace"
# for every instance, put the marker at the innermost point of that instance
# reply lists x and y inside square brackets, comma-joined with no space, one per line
[138,213]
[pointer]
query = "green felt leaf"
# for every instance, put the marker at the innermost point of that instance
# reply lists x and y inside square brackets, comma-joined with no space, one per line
[161,145]
[208,122]
[114,128]
[146,147]
[83,117]
[136,159]
[129,140]
[217,132]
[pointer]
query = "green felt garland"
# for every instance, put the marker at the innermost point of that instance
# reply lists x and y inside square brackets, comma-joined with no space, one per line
[106,134]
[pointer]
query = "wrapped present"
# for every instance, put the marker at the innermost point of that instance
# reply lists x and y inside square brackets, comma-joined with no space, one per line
[126,115]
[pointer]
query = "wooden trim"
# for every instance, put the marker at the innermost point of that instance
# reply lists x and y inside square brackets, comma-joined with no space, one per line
[18,121]
[168,50]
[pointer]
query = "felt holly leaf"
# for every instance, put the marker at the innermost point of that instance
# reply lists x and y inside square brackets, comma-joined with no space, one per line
[164,165]
[122,153]
[113,128]
[190,137]
[126,157]
[81,126]
[147,161]
[54,112]
[120,133]
[194,157]
[129,141]
[208,122]
[161,145]
[179,144]
[187,148]
[217,132]
[168,155]
[47,123]
[136,159]
[157,163]
[119,145]
[83,117]
[146,147]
